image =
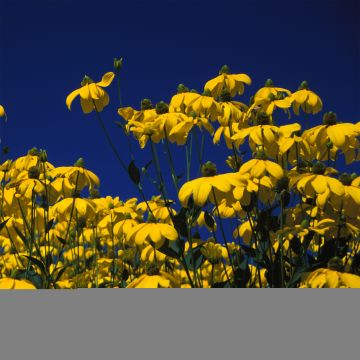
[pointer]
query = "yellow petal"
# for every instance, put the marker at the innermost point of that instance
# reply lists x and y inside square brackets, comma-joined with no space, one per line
[87,105]
[70,98]
[336,135]
[274,169]
[201,193]
[106,79]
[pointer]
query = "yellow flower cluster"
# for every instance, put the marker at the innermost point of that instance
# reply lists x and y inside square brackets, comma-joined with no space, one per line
[284,218]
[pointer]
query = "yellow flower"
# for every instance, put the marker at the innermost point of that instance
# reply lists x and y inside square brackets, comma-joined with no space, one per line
[201,188]
[13,284]
[258,168]
[205,106]
[181,101]
[151,233]
[82,208]
[77,175]
[148,255]
[160,280]
[234,83]
[309,102]
[330,137]
[92,96]
[2,112]
[326,278]
[317,185]
[268,90]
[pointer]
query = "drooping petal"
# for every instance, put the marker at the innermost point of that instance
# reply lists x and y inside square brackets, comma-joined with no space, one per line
[106,79]
[70,98]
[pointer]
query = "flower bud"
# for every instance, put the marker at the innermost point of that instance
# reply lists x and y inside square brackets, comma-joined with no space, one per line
[353,176]
[224,70]
[260,154]
[80,163]
[86,80]
[345,179]
[34,172]
[206,92]
[43,156]
[269,83]
[33,152]
[146,104]
[282,184]
[262,118]
[225,95]
[318,168]
[208,169]
[118,64]
[182,89]
[161,108]
[304,85]
[329,118]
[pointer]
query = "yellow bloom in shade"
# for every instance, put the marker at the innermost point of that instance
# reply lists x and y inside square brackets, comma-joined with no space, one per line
[13,284]
[324,188]
[92,96]
[234,83]
[2,111]
[326,278]
[201,188]
[77,175]
[181,101]
[269,90]
[305,99]
[151,233]
[148,255]
[258,168]
[206,106]
[160,280]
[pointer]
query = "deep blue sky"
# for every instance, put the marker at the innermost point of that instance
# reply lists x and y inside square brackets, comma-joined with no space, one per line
[47,46]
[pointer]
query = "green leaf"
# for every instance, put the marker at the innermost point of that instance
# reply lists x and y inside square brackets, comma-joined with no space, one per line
[30,275]
[2,225]
[22,236]
[38,263]
[63,242]
[172,249]
[134,173]
[209,220]
[59,274]
[199,258]
[48,260]
[49,225]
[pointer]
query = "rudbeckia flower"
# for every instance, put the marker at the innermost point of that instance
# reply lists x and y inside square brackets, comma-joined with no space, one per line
[92,95]
[327,139]
[327,278]
[269,90]
[319,186]
[234,83]
[159,280]
[201,188]
[151,233]
[309,102]
[13,284]
[77,173]
[257,168]
[2,112]
[205,106]
[181,101]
